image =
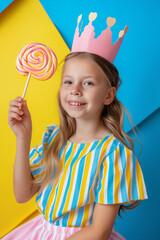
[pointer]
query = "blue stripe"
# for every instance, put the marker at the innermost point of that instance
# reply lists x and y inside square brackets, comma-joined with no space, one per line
[80,216]
[56,192]
[123,178]
[36,159]
[63,217]
[32,152]
[110,197]
[69,152]
[37,171]
[38,197]
[94,169]
[69,178]
[73,205]
[52,136]
[78,183]
[134,180]
[61,151]
[46,196]
[114,145]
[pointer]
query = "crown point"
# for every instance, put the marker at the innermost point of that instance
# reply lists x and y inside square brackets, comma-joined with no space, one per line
[123,32]
[125,29]
[92,16]
[79,18]
[111,21]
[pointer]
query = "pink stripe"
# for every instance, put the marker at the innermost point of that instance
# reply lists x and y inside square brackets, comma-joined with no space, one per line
[38,229]
[116,235]
[23,62]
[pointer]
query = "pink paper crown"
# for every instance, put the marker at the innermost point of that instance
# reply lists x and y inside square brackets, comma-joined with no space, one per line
[103,44]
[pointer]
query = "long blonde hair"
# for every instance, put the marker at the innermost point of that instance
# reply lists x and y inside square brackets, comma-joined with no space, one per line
[112,117]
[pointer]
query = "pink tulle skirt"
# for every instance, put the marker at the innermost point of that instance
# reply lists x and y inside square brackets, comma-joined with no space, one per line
[39,229]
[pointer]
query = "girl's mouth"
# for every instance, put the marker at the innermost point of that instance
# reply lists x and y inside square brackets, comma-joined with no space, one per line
[76,104]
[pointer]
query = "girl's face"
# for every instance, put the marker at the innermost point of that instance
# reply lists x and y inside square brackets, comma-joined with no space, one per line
[83,90]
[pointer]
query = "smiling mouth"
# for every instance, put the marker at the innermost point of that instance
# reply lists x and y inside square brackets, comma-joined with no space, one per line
[76,103]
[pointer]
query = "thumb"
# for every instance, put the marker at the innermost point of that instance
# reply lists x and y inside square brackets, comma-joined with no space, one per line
[25,108]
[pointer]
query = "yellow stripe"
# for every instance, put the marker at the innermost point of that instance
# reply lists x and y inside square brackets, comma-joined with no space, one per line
[36,165]
[71,217]
[139,180]
[33,157]
[50,199]
[61,184]
[83,152]
[85,177]
[105,167]
[128,172]
[85,215]
[39,175]
[37,204]
[45,147]
[117,177]
[101,195]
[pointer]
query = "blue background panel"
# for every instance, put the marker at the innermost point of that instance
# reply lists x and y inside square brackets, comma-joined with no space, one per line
[138,57]
[138,64]
[4,4]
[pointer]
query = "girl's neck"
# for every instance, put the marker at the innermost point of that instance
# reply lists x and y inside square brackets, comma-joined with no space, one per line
[89,132]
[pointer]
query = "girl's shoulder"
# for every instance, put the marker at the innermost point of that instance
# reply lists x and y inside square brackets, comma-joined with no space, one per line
[116,146]
[49,132]
[50,128]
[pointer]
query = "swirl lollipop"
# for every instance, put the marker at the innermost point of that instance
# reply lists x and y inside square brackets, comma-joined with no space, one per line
[36,60]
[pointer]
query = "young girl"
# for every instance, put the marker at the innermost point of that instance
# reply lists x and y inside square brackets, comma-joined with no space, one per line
[83,170]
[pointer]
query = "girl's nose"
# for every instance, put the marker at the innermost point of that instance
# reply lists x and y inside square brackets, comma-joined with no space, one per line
[76,90]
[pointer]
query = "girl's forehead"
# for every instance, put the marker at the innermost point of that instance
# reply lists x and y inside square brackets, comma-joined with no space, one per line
[81,65]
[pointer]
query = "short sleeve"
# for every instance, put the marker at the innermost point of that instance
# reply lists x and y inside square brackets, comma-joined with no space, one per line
[37,152]
[120,178]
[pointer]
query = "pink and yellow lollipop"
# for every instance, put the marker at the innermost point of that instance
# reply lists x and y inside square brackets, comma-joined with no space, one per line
[36,60]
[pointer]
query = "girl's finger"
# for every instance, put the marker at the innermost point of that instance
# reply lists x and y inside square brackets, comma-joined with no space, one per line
[15,110]
[25,109]
[13,116]
[16,102]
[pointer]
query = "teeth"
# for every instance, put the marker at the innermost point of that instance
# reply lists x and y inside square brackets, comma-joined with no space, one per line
[76,104]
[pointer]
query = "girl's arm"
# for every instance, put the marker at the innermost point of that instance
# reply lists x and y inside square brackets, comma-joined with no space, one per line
[19,119]
[24,189]
[104,216]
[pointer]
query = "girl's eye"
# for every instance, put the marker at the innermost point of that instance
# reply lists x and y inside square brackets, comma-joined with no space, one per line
[67,82]
[88,83]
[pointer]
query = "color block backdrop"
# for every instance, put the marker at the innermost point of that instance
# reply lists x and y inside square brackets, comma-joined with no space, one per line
[27,21]
[21,23]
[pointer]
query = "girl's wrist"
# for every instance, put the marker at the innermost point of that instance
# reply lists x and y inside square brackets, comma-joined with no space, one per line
[23,140]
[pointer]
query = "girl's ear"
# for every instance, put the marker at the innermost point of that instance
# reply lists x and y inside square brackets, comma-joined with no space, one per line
[110,96]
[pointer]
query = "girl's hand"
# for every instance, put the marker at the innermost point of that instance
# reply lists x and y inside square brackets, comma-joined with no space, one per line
[19,118]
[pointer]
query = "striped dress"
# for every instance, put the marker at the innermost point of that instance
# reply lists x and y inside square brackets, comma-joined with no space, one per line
[103,171]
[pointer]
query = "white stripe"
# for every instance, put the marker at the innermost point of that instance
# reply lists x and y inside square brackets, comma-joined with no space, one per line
[144,187]
[137,179]
[88,177]
[131,168]
[106,182]
[125,170]
[106,179]
[72,194]
[114,174]
[65,186]
[90,213]
[62,233]
[111,142]
[121,172]
[56,190]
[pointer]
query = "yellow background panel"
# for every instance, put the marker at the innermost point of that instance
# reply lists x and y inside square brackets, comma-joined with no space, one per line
[24,22]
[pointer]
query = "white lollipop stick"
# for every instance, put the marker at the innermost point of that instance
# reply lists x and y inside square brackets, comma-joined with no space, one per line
[25,89]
